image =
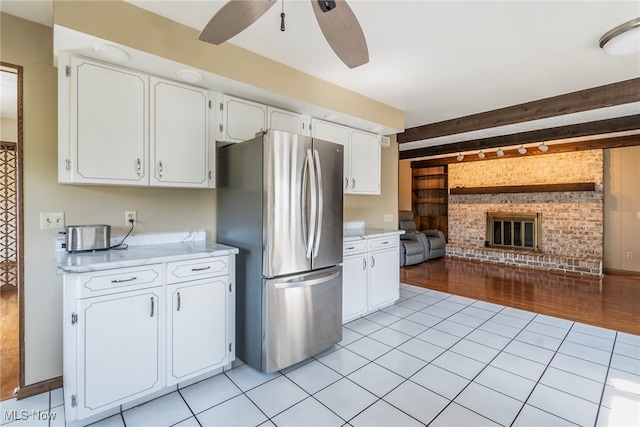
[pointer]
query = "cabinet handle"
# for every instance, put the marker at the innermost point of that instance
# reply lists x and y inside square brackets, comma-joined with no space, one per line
[179,302]
[346,183]
[124,280]
[153,307]
[201,268]
[138,167]
[350,247]
[353,183]
[364,263]
[384,243]
[373,262]
[160,169]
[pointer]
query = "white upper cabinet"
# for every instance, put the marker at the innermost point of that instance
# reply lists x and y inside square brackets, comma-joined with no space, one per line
[241,119]
[330,132]
[361,155]
[287,121]
[121,127]
[364,163]
[108,125]
[179,120]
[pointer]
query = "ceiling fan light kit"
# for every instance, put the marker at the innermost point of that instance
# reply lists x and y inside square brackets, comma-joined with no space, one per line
[623,39]
[337,21]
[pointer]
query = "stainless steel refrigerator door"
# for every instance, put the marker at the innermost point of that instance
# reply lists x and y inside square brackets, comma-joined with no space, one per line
[327,244]
[287,207]
[303,316]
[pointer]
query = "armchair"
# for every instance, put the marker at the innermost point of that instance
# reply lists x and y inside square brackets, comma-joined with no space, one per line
[432,241]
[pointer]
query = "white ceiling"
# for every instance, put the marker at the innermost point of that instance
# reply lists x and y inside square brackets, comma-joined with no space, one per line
[436,60]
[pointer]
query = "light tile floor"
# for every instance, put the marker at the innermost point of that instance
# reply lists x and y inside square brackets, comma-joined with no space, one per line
[431,359]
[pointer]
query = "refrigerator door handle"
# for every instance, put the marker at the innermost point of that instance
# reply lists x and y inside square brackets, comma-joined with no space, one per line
[316,245]
[303,283]
[314,207]
[305,206]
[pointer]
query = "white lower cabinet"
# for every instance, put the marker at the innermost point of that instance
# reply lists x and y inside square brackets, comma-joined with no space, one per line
[196,328]
[118,349]
[371,275]
[129,332]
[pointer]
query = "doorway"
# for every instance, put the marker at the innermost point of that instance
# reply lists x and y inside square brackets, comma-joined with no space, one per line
[11,250]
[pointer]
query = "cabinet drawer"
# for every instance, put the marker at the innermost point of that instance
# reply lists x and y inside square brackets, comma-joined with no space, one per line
[182,271]
[117,280]
[354,247]
[383,242]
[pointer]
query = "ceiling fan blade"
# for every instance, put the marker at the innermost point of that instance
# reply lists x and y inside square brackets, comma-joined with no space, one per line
[342,31]
[232,18]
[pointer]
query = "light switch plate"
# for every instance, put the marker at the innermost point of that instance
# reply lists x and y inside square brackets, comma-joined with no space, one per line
[51,220]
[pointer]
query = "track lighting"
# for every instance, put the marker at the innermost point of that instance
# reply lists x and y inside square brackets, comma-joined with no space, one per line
[499,153]
[522,150]
[481,154]
[460,157]
[543,147]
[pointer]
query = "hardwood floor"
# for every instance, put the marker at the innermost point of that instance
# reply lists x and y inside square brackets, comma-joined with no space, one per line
[611,302]
[9,346]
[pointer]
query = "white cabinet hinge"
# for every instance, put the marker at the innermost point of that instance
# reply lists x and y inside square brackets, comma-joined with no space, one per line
[74,318]
[67,164]
[221,106]
[74,401]
[67,71]
[221,127]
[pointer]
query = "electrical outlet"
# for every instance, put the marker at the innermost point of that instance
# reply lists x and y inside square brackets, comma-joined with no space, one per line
[51,220]
[629,255]
[130,215]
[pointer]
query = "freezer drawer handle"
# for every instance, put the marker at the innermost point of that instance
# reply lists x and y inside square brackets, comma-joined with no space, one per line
[303,283]
[124,280]
[201,268]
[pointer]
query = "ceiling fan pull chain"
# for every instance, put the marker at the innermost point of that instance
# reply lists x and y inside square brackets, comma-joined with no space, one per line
[282,17]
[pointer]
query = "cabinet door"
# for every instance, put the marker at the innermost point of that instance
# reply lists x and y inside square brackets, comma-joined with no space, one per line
[242,119]
[287,121]
[384,277]
[119,349]
[338,134]
[109,124]
[179,129]
[197,339]
[354,287]
[364,156]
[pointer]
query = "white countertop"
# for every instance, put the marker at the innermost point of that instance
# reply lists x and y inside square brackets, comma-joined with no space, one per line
[357,230]
[161,250]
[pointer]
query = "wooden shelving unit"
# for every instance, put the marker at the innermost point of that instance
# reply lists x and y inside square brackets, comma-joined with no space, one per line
[430,197]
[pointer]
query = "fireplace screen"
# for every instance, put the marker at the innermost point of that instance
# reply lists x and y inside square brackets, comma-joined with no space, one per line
[513,230]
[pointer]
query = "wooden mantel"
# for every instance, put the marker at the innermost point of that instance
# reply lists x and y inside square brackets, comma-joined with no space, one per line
[535,188]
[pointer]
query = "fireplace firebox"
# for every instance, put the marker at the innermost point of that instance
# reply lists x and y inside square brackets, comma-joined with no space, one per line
[509,230]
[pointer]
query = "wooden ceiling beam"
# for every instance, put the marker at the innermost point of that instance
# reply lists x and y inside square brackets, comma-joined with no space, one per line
[619,93]
[591,144]
[618,124]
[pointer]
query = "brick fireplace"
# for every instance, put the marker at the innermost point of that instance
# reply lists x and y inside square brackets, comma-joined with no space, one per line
[571,216]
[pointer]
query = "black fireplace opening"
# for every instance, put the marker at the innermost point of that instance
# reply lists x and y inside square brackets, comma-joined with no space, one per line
[510,230]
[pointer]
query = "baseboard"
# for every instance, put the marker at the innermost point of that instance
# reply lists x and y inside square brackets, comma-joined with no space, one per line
[614,272]
[41,387]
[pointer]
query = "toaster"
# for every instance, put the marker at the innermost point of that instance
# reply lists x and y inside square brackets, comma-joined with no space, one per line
[94,237]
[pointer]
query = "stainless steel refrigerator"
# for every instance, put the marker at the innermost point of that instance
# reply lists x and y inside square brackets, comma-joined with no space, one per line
[280,203]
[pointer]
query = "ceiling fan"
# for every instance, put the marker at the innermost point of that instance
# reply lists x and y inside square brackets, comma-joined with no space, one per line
[335,18]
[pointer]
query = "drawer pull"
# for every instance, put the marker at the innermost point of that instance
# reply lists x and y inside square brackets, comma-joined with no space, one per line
[201,268]
[350,247]
[364,263]
[153,307]
[124,280]
[385,242]
[373,262]
[179,302]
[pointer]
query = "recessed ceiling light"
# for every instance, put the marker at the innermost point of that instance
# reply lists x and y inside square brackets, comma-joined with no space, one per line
[332,116]
[112,53]
[190,76]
